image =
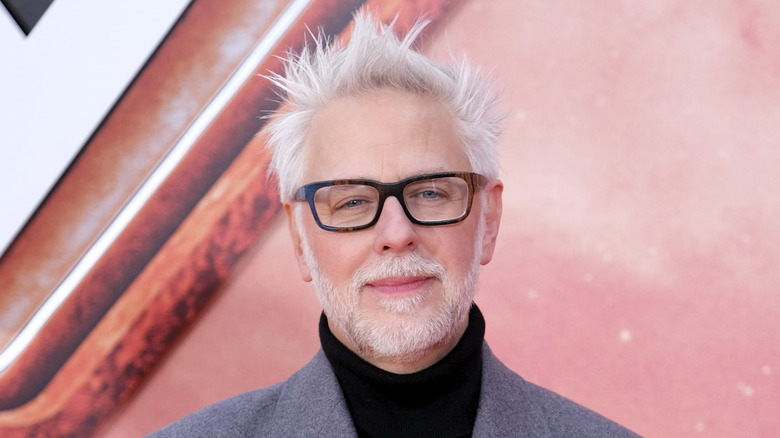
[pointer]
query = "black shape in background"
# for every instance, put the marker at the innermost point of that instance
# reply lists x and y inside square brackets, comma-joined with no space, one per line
[26,13]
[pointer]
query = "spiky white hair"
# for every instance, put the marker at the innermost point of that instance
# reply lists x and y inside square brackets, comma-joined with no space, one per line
[376,59]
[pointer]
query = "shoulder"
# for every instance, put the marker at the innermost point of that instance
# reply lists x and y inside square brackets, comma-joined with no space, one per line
[564,417]
[309,403]
[510,403]
[238,416]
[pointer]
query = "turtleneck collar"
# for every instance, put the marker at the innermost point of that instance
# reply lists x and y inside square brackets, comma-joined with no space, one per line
[440,400]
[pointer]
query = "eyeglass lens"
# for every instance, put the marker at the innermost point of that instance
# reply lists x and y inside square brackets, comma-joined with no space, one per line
[428,200]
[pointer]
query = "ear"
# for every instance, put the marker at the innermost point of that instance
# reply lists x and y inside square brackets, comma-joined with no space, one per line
[492,213]
[303,267]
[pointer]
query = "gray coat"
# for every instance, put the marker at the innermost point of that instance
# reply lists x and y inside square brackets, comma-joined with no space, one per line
[310,404]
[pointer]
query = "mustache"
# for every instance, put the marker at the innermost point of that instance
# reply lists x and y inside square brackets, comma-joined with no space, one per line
[407,265]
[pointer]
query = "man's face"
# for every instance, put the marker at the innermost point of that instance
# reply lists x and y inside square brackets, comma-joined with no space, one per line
[396,292]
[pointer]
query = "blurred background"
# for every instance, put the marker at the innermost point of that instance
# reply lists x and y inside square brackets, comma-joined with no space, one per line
[146,268]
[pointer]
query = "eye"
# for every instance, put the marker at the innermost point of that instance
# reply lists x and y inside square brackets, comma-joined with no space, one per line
[429,194]
[351,203]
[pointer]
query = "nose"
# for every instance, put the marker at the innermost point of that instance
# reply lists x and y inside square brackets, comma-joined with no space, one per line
[394,232]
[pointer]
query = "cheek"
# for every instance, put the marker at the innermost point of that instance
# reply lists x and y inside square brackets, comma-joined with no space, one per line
[339,256]
[453,247]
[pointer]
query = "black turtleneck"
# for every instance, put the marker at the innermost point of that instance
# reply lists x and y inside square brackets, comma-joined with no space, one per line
[438,401]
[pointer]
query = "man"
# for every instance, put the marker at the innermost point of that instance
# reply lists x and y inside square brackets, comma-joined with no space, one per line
[389,177]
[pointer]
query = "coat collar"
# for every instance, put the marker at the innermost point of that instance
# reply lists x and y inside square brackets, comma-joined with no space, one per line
[312,404]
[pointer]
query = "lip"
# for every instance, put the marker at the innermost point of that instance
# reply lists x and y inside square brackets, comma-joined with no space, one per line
[399,285]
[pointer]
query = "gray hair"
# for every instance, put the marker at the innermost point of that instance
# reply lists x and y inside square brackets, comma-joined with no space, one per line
[376,59]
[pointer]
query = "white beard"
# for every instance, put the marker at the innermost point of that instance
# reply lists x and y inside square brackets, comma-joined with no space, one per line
[407,336]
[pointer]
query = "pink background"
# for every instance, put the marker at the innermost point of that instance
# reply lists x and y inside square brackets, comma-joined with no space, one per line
[637,265]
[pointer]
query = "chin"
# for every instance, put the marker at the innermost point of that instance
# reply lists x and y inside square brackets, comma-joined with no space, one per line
[405,337]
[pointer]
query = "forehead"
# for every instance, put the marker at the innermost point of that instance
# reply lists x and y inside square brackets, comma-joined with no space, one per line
[384,135]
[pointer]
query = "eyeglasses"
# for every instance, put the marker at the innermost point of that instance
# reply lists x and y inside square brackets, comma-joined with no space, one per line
[355,204]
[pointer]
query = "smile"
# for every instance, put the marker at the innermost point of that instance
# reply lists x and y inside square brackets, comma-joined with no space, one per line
[399,285]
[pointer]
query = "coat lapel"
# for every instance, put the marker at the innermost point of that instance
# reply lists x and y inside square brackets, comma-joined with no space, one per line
[311,404]
[504,408]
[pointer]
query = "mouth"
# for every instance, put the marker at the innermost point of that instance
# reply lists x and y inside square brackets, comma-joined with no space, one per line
[399,285]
